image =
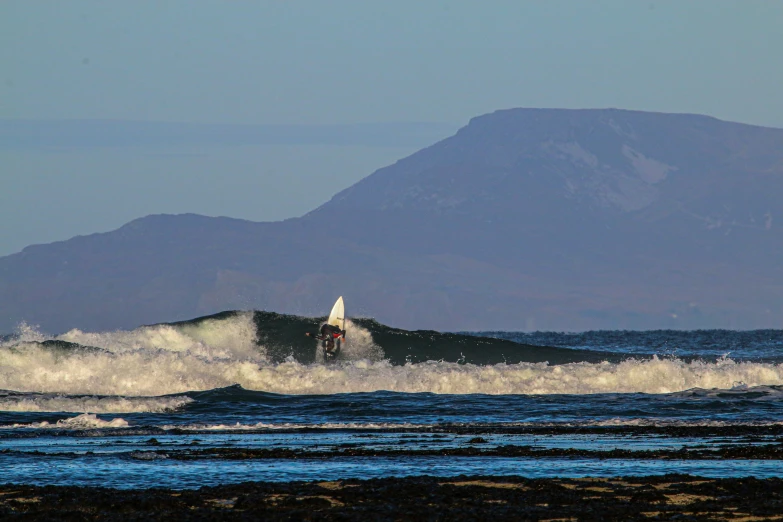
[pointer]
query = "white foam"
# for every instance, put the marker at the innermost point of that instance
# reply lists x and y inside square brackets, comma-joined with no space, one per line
[215,353]
[650,376]
[152,373]
[149,361]
[80,422]
[296,426]
[358,345]
[26,333]
[658,422]
[48,403]
[228,338]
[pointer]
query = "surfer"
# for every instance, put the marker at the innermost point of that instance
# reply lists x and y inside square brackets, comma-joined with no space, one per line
[330,337]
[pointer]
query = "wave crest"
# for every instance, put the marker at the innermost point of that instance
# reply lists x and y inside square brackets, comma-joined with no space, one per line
[31,368]
[59,403]
[80,422]
[235,347]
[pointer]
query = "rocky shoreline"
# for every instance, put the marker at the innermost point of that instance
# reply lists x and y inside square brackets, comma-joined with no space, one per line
[667,497]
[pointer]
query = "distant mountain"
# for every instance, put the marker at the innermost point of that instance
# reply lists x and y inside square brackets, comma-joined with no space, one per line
[525,219]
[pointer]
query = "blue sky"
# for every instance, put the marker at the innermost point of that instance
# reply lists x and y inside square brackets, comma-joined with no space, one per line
[336,62]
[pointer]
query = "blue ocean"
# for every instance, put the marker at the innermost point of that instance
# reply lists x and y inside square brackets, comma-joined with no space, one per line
[245,396]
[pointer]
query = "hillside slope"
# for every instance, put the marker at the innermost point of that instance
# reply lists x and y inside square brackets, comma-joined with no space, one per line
[525,219]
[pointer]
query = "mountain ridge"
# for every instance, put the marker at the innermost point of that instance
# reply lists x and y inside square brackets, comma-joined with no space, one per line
[524,219]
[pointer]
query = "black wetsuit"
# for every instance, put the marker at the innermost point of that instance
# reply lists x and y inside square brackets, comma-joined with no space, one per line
[329,335]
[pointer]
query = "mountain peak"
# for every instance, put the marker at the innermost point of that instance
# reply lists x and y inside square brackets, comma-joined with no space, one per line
[604,160]
[562,219]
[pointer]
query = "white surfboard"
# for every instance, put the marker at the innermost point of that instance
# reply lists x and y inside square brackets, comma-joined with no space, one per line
[337,315]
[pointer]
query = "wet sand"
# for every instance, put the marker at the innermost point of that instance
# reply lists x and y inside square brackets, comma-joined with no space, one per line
[668,497]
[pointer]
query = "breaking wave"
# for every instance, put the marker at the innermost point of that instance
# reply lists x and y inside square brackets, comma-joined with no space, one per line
[80,422]
[23,402]
[129,371]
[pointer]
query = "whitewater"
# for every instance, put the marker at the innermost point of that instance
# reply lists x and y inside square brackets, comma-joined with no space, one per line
[129,369]
[241,396]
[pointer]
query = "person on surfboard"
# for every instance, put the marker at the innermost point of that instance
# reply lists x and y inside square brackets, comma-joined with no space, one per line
[330,337]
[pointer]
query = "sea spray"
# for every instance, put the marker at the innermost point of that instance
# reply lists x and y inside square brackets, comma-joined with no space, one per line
[35,402]
[231,348]
[30,367]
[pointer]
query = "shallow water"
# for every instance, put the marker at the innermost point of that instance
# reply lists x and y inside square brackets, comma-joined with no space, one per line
[222,399]
[131,474]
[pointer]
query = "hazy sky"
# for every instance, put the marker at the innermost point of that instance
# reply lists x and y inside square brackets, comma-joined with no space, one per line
[335,62]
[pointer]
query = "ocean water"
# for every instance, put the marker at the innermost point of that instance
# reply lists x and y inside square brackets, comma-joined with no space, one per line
[246,396]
